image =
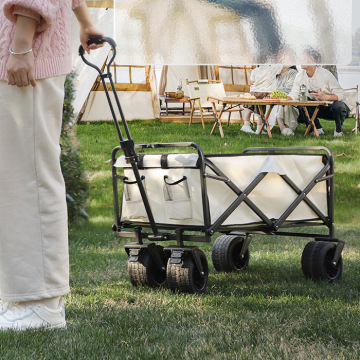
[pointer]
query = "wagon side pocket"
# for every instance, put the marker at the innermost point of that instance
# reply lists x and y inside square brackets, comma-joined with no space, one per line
[177,198]
[134,204]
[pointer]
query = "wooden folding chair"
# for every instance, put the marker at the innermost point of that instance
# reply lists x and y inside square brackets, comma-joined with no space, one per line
[352,99]
[199,91]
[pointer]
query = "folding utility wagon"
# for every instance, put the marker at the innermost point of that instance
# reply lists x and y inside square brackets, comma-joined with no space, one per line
[188,196]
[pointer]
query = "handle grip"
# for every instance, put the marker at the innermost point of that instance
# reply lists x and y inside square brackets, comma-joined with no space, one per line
[99,40]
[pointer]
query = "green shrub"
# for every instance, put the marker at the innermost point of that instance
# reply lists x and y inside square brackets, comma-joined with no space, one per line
[72,168]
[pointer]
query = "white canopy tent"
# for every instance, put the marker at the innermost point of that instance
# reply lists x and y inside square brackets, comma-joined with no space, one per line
[135,84]
[102,12]
[349,76]
[137,92]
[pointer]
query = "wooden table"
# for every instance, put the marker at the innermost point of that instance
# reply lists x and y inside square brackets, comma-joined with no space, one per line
[229,101]
[168,100]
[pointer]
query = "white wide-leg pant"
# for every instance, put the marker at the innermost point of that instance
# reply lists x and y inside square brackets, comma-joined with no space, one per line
[34,260]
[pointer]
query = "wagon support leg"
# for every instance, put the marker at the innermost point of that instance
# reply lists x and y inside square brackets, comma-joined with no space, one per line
[245,246]
[339,248]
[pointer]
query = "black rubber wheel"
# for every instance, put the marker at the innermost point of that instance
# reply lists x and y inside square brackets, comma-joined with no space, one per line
[306,259]
[145,271]
[321,262]
[226,254]
[185,277]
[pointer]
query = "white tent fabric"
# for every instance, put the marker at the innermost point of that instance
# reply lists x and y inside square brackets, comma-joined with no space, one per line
[172,76]
[138,99]
[235,78]
[134,104]
[349,76]
[104,19]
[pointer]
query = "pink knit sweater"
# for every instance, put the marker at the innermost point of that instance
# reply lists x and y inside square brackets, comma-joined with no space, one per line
[51,44]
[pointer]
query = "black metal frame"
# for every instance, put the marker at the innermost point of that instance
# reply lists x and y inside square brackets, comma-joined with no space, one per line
[176,232]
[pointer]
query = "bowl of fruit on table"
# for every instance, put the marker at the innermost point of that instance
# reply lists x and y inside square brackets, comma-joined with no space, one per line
[276,95]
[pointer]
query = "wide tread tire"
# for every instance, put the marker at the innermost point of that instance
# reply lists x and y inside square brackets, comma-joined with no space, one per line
[321,262]
[306,259]
[185,277]
[226,254]
[145,272]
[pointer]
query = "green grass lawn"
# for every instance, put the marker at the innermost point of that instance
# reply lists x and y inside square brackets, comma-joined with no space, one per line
[269,311]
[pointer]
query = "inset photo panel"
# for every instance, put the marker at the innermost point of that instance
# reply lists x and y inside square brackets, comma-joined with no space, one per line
[186,32]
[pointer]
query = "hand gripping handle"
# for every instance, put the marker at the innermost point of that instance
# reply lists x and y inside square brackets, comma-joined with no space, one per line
[99,40]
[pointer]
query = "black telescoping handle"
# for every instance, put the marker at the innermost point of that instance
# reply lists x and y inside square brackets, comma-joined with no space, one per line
[108,75]
[126,144]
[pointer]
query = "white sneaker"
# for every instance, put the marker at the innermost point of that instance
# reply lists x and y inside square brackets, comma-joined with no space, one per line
[33,315]
[338,134]
[320,132]
[247,129]
[287,131]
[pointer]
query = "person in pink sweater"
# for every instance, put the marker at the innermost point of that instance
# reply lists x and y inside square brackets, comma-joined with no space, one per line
[35,57]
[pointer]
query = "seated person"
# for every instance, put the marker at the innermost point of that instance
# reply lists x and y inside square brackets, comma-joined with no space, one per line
[321,85]
[263,79]
[286,116]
